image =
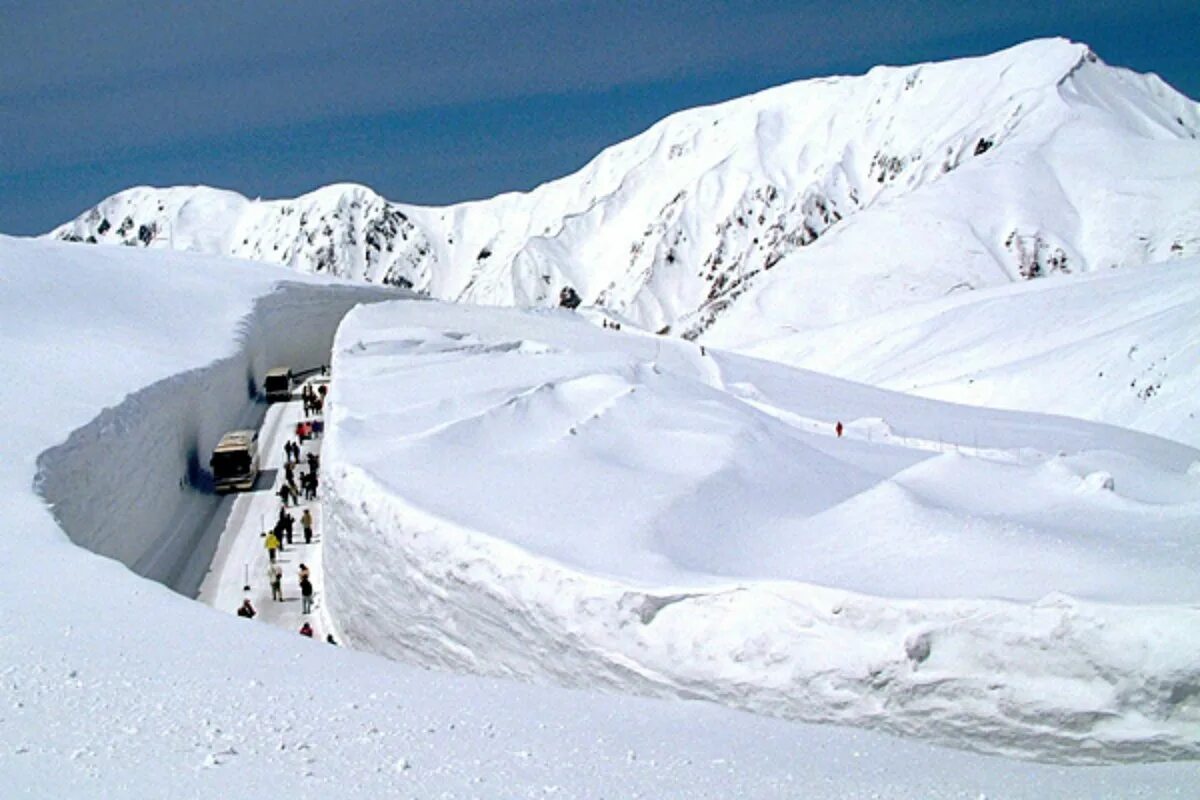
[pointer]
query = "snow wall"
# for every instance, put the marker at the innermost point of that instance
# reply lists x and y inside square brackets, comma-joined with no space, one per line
[133,484]
[1058,680]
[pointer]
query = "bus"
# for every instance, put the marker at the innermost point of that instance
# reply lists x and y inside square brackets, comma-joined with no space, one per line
[234,462]
[277,385]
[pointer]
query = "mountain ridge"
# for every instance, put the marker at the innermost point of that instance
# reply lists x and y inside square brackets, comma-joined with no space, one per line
[672,228]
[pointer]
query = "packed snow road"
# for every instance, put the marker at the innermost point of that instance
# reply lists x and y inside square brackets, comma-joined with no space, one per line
[241,558]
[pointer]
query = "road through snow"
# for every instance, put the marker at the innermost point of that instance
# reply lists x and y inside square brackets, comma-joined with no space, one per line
[241,551]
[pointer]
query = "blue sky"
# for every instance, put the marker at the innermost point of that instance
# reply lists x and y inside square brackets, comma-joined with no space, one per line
[436,102]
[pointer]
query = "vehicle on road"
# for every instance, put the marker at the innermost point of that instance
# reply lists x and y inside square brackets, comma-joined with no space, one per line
[234,461]
[277,385]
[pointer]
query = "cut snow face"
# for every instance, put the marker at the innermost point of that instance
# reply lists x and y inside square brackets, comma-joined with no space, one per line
[554,500]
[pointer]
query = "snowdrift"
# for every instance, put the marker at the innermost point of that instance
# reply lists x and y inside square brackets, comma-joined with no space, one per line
[532,495]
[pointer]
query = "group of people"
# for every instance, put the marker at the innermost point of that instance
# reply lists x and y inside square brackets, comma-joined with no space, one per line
[275,578]
[283,531]
[288,491]
[314,399]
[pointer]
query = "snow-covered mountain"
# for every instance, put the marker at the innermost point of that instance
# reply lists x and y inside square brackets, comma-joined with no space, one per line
[812,203]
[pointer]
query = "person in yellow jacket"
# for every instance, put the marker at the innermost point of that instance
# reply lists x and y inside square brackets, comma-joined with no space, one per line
[272,544]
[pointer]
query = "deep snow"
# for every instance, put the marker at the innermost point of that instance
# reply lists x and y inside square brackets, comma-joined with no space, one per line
[531,494]
[111,684]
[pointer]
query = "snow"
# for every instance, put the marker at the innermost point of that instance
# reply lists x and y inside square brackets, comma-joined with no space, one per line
[1120,346]
[806,208]
[112,684]
[530,494]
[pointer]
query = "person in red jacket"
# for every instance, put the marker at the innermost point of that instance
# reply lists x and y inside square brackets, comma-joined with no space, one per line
[306,630]
[839,429]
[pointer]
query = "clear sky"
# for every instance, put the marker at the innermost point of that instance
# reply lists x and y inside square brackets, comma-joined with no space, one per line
[449,100]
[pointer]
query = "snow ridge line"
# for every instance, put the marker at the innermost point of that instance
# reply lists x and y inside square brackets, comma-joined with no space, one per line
[1094,690]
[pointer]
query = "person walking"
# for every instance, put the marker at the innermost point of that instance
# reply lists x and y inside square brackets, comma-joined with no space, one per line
[303,572]
[306,594]
[288,523]
[272,544]
[247,610]
[275,576]
[306,520]
[839,429]
[283,492]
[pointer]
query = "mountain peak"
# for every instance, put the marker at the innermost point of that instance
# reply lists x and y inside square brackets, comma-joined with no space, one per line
[872,192]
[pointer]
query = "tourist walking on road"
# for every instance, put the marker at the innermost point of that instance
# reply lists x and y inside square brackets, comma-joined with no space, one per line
[306,594]
[272,544]
[275,576]
[307,521]
[246,610]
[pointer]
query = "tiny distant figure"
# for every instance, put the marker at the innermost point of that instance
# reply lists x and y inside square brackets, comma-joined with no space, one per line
[288,523]
[569,298]
[306,594]
[329,638]
[284,493]
[247,610]
[275,576]
[289,471]
[322,390]
[703,352]
[304,572]
[839,429]
[272,544]
[307,521]
[314,462]
[324,369]
[306,630]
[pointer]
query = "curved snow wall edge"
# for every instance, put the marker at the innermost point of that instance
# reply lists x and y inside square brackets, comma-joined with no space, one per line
[133,484]
[1060,680]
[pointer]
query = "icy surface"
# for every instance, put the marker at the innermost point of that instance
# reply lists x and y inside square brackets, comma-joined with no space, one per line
[531,494]
[111,685]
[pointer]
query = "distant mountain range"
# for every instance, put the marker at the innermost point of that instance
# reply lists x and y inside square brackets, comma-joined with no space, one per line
[860,194]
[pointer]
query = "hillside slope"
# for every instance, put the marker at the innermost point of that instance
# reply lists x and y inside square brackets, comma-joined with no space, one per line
[1121,347]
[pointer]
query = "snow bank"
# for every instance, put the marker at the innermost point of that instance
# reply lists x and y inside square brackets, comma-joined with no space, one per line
[622,511]
[134,485]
